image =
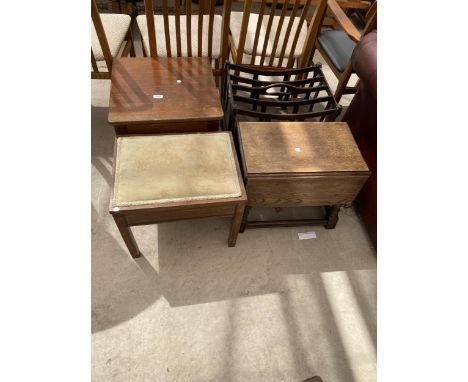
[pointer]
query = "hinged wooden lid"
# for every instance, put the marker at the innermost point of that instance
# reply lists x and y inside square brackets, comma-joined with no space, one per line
[299,147]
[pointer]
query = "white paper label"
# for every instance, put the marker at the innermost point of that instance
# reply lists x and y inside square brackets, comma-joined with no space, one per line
[307,235]
[158,96]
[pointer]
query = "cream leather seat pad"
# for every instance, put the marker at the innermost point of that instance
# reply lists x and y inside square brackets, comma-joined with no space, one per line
[174,168]
[115,27]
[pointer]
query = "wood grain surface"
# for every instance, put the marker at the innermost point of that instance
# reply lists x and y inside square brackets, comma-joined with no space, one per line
[136,80]
[290,191]
[166,128]
[296,148]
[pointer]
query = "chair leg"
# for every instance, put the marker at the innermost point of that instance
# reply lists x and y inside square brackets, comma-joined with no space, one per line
[218,76]
[127,235]
[343,81]
[142,46]
[130,37]
[332,216]
[235,225]
[129,47]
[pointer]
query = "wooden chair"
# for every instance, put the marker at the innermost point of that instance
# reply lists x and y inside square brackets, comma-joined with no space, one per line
[274,36]
[173,34]
[108,32]
[336,45]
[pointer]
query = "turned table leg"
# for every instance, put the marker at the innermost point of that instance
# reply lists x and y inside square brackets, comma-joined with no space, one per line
[236,224]
[127,235]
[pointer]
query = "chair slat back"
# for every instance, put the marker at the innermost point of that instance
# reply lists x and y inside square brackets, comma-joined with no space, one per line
[174,16]
[200,26]
[210,28]
[277,36]
[101,37]
[166,25]
[188,16]
[177,26]
[281,33]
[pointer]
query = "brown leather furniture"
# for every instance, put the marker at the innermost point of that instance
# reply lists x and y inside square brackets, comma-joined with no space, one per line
[362,119]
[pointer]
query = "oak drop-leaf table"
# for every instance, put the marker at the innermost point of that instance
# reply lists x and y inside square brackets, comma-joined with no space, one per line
[294,164]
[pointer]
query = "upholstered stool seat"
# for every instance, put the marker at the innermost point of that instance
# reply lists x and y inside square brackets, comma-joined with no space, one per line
[236,24]
[116,27]
[174,168]
[161,178]
[161,39]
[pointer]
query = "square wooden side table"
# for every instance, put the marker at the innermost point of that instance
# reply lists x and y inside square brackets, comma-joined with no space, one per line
[293,164]
[163,95]
[162,178]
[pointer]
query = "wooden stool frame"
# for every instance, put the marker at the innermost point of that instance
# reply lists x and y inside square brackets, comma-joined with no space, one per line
[127,217]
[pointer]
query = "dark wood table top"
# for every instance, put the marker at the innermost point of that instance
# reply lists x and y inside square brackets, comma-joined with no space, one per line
[138,83]
[313,148]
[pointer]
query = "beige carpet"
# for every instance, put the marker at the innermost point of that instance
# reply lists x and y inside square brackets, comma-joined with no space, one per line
[274,308]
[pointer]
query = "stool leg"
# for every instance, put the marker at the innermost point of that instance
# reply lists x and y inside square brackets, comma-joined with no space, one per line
[235,225]
[244,219]
[333,217]
[127,235]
